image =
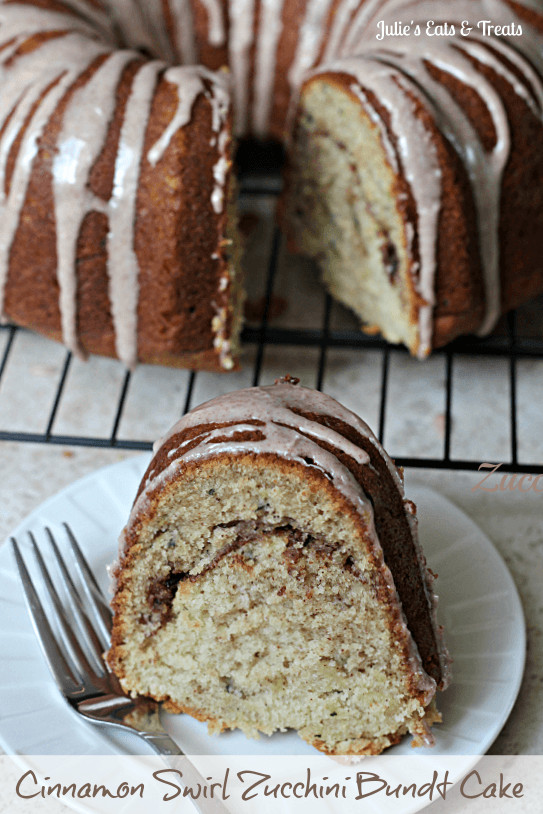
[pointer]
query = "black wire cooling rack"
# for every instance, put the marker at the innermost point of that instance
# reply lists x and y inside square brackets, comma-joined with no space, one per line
[512,345]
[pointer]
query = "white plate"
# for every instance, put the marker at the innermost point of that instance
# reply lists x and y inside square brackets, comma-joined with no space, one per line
[479,607]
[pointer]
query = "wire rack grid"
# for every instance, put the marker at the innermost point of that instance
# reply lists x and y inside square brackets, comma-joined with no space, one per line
[475,401]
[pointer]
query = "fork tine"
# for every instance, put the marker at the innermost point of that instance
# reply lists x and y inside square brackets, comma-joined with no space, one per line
[77,652]
[55,658]
[98,602]
[95,645]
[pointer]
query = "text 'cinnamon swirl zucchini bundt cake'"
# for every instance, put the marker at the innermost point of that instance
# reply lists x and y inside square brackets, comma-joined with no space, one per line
[415,180]
[270,578]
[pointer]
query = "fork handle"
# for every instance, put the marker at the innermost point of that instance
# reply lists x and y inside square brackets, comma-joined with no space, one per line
[161,743]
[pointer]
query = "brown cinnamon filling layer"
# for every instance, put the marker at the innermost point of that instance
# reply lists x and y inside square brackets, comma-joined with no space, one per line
[389,253]
[161,591]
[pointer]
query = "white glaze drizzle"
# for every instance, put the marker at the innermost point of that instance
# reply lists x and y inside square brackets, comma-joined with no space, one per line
[220,171]
[378,121]
[531,89]
[79,144]
[20,99]
[269,31]
[485,170]
[339,27]
[310,40]
[189,85]
[278,404]
[280,431]
[241,13]
[122,211]
[284,441]
[221,138]
[216,29]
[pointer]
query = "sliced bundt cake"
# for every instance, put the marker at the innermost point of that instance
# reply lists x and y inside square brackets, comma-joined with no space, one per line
[270,577]
[416,177]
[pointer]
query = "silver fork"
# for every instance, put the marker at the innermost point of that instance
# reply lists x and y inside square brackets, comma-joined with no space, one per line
[74,655]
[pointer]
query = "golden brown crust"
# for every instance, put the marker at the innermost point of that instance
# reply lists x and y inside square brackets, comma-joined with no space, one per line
[365,746]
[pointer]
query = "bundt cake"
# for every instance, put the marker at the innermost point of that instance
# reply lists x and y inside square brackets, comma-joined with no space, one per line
[415,180]
[270,578]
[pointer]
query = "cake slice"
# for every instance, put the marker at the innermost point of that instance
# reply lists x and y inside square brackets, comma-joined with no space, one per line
[270,578]
[382,202]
